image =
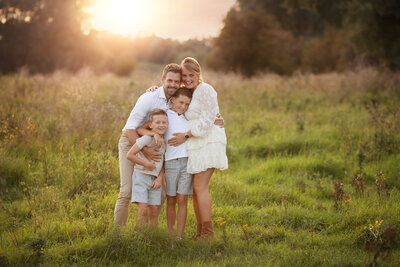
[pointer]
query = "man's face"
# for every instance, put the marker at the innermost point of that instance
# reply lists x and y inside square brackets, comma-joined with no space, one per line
[159,124]
[171,83]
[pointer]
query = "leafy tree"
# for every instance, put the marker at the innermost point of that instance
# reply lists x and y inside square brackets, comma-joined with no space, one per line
[253,40]
[375,28]
[41,34]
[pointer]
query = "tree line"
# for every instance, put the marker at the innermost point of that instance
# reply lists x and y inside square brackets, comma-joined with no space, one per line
[281,36]
[311,35]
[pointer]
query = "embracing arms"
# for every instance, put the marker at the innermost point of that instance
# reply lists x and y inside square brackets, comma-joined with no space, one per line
[151,153]
[219,120]
[150,165]
[146,130]
[207,99]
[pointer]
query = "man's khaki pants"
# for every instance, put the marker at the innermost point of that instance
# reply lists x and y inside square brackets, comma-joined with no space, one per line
[125,190]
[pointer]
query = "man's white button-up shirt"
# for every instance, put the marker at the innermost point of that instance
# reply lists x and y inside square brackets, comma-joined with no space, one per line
[144,105]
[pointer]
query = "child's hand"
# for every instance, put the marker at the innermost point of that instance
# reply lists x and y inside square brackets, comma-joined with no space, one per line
[159,140]
[150,165]
[157,183]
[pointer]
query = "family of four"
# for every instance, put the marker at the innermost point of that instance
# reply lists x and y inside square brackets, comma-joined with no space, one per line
[184,112]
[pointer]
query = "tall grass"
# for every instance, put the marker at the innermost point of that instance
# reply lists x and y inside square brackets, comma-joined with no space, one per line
[289,140]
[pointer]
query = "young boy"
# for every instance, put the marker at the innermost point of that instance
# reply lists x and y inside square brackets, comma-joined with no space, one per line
[146,182]
[179,182]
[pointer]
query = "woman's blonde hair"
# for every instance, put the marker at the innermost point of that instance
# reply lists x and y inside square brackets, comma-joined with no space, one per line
[193,66]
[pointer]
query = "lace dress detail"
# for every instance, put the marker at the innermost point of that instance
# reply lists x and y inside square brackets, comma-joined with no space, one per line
[207,147]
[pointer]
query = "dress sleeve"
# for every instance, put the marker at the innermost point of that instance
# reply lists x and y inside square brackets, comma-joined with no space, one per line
[209,109]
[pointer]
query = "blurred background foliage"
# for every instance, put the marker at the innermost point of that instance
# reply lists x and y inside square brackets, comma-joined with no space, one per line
[280,36]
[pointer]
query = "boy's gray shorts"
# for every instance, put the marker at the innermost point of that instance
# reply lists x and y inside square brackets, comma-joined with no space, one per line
[177,178]
[142,191]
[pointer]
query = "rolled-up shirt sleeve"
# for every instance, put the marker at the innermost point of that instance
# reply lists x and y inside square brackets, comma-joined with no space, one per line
[140,112]
[209,110]
[143,141]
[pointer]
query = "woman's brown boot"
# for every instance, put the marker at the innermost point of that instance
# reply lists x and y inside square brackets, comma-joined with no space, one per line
[207,231]
[198,231]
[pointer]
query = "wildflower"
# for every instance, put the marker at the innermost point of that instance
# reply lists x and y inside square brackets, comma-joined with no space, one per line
[219,219]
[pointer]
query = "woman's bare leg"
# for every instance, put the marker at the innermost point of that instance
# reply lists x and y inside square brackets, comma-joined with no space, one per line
[197,214]
[200,187]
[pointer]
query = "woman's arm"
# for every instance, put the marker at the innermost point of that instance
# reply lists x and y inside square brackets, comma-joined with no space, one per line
[179,138]
[209,109]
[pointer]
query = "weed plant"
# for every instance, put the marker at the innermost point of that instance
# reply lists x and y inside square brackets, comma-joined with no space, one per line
[289,140]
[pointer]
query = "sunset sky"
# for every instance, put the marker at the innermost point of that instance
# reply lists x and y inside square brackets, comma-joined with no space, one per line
[177,19]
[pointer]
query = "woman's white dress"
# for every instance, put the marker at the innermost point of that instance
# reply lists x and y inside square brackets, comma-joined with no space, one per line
[207,147]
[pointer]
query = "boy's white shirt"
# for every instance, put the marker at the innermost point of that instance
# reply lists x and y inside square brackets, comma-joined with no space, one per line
[176,124]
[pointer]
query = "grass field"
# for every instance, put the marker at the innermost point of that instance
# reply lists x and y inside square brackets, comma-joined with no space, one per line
[313,179]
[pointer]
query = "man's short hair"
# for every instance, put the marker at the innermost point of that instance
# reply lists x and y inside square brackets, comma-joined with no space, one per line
[157,111]
[183,91]
[172,67]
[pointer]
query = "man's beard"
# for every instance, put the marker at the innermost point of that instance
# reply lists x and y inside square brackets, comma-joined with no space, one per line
[168,90]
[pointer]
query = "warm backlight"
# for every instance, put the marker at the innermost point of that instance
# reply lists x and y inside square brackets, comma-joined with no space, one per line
[125,17]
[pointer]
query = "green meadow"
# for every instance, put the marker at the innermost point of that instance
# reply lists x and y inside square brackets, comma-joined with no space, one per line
[313,179]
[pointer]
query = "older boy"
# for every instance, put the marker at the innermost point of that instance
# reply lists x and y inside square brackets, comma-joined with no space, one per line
[179,182]
[146,182]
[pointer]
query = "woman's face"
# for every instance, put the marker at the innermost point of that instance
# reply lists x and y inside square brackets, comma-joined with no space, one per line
[190,80]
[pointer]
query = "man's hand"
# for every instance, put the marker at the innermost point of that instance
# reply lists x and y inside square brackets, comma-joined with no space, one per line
[157,183]
[159,140]
[177,140]
[219,121]
[152,154]
[150,165]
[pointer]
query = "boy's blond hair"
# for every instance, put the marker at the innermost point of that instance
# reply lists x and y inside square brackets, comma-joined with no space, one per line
[157,111]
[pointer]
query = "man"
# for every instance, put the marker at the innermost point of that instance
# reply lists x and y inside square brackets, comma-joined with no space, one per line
[160,98]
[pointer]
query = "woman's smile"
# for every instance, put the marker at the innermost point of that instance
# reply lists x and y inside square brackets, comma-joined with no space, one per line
[190,80]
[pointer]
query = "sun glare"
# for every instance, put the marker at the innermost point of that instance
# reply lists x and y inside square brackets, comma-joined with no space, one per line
[125,17]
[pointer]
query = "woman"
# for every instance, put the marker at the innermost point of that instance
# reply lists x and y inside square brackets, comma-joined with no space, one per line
[206,143]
